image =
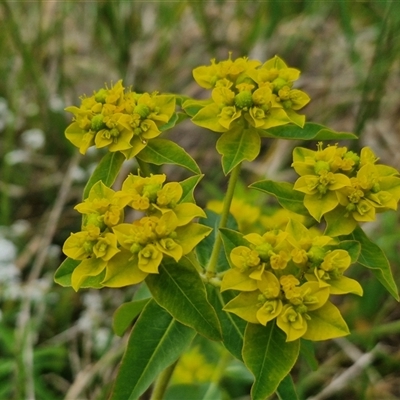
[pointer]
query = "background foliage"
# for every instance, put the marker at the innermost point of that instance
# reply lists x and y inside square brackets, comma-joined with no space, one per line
[55,343]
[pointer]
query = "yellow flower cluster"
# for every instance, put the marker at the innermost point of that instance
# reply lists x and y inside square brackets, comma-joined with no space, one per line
[345,186]
[244,91]
[114,253]
[288,275]
[120,120]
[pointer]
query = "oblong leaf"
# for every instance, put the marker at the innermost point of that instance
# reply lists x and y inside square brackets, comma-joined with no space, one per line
[180,290]
[268,356]
[373,258]
[205,247]
[237,145]
[286,389]
[232,326]
[106,171]
[287,197]
[162,151]
[156,341]
[310,131]
[125,314]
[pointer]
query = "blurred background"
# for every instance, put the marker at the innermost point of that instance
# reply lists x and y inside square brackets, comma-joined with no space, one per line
[55,343]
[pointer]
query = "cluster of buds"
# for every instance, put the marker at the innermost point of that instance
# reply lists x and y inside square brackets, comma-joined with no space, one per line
[115,253]
[120,120]
[288,275]
[246,91]
[343,186]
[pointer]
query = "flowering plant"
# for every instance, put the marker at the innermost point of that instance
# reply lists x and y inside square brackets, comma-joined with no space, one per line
[263,284]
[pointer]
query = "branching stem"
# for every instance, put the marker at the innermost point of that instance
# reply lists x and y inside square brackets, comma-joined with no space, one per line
[224,218]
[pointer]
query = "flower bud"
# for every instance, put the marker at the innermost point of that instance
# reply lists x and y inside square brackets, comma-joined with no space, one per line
[244,99]
[97,123]
[142,110]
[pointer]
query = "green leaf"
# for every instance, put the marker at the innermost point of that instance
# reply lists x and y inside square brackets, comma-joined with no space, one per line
[374,258]
[307,351]
[286,389]
[352,247]
[287,197]
[125,314]
[180,290]
[237,145]
[156,341]
[205,391]
[310,131]
[162,151]
[268,356]
[63,274]
[171,123]
[188,186]
[232,326]
[106,171]
[192,106]
[204,248]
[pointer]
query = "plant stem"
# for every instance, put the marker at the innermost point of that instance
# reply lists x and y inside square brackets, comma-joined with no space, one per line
[162,382]
[212,265]
[143,167]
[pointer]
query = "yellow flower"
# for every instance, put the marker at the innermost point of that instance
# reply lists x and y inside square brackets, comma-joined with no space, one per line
[102,207]
[151,238]
[330,273]
[244,92]
[94,250]
[152,195]
[122,121]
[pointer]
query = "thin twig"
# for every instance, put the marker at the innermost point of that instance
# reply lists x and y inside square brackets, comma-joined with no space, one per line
[347,376]
[54,217]
[86,376]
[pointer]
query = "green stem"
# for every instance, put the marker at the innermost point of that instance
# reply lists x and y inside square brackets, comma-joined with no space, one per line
[143,167]
[162,382]
[212,265]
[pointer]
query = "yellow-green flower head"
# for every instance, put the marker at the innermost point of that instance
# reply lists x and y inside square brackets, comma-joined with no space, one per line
[245,93]
[296,315]
[102,207]
[249,263]
[335,177]
[140,191]
[121,121]
[147,239]
[330,273]
[272,247]
[193,368]
[79,246]
[150,194]
[94,250]
[302,310]
[151,238]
